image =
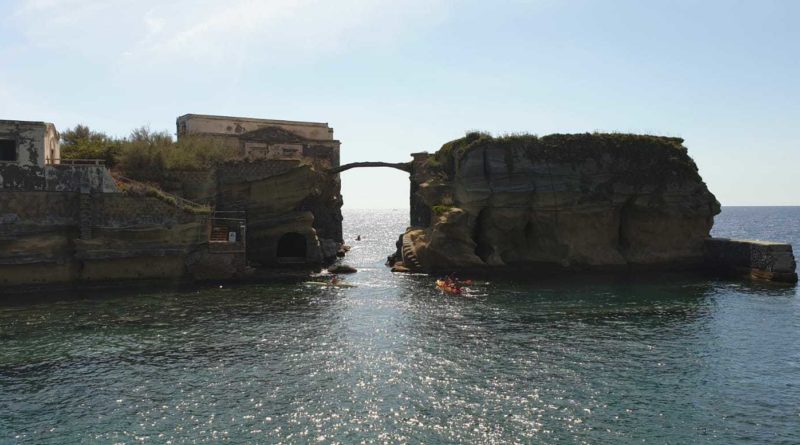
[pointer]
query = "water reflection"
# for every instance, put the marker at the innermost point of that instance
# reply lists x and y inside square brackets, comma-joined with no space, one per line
[395,360]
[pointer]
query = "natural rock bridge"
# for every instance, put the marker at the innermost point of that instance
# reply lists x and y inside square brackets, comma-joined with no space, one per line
[405,166]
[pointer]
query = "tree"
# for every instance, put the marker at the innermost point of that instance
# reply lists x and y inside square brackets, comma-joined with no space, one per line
[83,143]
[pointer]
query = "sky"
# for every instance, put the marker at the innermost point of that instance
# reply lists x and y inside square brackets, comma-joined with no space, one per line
[393,77]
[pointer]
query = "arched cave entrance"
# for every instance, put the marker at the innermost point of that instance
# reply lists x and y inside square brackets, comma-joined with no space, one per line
[292,245]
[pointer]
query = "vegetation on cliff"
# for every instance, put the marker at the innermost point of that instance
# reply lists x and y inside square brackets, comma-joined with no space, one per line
[666,155]
[141,189]
[144,155]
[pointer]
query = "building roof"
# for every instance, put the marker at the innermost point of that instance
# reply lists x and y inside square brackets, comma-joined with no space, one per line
[18,122]
[251,119]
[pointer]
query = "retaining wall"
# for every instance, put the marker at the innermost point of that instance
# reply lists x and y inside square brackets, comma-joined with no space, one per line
[756,259]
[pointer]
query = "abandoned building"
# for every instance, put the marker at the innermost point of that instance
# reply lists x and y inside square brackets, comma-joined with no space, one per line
[278,203]
[266,139]
[30,161]
[279,181]
[24,143]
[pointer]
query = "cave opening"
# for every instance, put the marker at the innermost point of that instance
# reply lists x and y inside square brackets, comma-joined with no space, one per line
[482,248]
[291,245]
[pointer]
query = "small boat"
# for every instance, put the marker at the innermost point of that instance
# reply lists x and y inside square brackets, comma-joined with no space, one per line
[450,289]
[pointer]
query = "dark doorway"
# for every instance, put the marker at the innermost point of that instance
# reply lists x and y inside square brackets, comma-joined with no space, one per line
[8,150]
[292,245]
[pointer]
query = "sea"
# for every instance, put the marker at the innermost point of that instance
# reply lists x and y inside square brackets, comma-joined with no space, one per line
[388,359]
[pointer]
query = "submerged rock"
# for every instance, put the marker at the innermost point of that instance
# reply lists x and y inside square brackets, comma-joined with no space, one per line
[342,268]
[401,268]
[584,200]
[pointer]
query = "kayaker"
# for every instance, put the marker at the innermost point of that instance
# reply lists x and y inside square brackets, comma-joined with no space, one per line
[452,281]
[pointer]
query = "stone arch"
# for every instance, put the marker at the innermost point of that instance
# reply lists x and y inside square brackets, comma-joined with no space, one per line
[292,245]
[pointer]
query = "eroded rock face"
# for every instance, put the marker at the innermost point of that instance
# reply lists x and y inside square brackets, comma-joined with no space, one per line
[586,200]
[131,238]
[300,201]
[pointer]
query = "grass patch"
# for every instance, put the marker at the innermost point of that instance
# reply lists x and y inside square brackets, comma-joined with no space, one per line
[148,190]
[441,208]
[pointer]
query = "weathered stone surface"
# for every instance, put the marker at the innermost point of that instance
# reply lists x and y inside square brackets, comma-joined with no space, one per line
[299,200]
[586,200]
[329,248]
[204,265]
[57,178]
[758,259]
[132,238]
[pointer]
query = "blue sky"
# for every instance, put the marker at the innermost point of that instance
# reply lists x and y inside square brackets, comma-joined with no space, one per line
[394,77]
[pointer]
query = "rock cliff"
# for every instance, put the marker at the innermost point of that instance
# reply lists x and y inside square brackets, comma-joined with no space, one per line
[298,199]
[558,201]
[64,239]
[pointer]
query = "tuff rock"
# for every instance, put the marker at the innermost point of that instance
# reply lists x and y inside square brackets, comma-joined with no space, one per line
[563,201]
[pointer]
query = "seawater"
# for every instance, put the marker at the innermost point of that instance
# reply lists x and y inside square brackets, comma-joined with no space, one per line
[392,360]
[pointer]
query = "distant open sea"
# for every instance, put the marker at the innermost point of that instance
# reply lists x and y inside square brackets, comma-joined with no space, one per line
[393,360]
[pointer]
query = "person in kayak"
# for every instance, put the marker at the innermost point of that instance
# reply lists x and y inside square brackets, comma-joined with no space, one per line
[452,282]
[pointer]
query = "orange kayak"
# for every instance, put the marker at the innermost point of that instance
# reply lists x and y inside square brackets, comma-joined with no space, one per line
[441,284]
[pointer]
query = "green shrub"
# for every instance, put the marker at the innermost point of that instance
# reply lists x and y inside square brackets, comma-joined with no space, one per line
[145,155]
[82,143]
[199,153]
[441,208]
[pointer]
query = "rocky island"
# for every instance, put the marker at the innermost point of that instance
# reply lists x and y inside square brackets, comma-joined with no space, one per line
[566,201]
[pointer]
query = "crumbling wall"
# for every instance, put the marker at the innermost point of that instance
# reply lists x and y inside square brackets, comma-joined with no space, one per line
[82,178]
[22,178]
[57,178]
[30,141]
[756,259]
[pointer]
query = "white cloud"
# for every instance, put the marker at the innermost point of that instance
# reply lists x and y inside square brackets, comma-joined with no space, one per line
[210,31]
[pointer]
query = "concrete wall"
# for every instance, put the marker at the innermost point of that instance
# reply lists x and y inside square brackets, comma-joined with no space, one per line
[56,178]
[86,178]
[37,208]
[236,172]
[21,177]
[31,139]
[232,126]
[756,259]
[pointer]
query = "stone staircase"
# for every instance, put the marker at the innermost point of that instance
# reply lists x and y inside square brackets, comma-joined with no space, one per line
[218,234]
[409,256]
